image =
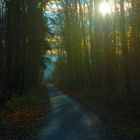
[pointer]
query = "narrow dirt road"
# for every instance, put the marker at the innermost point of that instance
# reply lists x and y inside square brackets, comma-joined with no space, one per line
[69,120]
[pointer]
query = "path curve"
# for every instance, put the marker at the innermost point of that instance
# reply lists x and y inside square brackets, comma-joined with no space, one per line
[71,121]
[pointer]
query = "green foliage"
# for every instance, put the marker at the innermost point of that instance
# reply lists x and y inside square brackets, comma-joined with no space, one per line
[14,104]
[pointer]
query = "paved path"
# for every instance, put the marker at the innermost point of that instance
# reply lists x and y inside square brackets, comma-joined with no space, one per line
[71,121]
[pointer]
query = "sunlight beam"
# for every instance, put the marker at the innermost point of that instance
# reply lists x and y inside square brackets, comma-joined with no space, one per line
[105,8]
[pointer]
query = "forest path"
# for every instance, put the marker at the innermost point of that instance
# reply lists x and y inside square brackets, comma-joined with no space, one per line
[69,120]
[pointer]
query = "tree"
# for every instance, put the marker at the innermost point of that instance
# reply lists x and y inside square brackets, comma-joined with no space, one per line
[24,41]
[102,50]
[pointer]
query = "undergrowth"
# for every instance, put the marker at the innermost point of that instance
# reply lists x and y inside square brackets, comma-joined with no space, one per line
[22,116]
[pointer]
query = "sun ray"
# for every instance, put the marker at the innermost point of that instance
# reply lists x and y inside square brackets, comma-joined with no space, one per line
[105,8]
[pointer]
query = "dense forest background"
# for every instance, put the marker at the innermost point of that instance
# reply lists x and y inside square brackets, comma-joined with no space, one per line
[22,44]
[97,54]
[97,50]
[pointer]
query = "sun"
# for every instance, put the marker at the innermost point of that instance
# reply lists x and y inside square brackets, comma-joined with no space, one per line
[105,8]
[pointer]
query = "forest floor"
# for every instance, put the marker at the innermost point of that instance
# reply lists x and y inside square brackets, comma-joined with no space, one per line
[122,116]
[22,117]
